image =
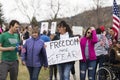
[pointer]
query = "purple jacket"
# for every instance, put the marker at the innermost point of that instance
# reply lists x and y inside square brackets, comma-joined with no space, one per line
[35,53]
[91,43]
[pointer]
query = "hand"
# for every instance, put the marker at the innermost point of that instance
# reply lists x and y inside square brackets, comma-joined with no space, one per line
[23,50]
[23,63]
[92,28]
[11,48]
[102,43]
[114,41]
[45,46]
[19,47]
[45,68]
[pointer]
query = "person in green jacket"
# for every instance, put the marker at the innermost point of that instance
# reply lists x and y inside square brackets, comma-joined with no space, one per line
[9,47]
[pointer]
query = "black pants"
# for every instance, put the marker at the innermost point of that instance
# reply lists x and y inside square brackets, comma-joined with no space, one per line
[73,69]
[53,69]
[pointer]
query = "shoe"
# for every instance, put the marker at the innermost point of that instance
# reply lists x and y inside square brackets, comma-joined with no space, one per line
[74,77]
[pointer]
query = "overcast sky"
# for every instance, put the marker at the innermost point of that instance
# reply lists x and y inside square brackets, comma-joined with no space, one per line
[10,11]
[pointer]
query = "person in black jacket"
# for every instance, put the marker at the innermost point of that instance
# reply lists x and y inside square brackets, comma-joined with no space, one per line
[26,33]
[64,32]
[53,68]
[115,59]
[115,54]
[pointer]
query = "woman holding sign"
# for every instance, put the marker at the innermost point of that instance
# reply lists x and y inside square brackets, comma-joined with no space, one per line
[89,57]
[64,33]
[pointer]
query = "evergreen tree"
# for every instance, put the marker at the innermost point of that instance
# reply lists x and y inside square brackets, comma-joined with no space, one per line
[34,22]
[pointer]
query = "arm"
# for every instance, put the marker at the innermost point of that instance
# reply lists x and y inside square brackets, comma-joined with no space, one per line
[106,44]
[24,52]
[94,37]
[44,57]
[6,48]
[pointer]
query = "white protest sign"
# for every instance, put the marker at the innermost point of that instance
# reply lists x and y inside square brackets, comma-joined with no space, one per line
[61,51]
[53,27]
[77,30]
[3,27]
[44,26]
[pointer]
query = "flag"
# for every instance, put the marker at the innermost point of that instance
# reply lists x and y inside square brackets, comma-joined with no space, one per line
[116,18]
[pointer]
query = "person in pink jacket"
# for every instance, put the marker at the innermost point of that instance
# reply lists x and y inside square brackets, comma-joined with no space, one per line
[1,30]
[88,53]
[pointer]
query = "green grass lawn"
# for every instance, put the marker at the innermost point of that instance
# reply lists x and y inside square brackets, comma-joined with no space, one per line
[24,75]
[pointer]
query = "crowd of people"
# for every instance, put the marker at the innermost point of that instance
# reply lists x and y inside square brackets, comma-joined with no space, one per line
[98,45]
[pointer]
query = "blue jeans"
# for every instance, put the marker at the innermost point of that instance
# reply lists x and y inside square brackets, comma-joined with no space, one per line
[89,65]
[64,70]
[33,72]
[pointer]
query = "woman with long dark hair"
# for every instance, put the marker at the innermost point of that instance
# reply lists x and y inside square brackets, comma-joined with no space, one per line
[89,57]
[64,32]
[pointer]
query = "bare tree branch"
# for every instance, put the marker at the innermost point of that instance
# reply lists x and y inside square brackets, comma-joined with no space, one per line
[23,10]
[55,8]
[98,7]
[33,6]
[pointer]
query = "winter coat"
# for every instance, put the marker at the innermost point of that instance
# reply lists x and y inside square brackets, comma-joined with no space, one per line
[35,53]
[99,49]
[91,43]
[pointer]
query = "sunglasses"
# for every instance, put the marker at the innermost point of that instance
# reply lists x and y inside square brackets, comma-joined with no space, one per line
[60,27]
[89,32]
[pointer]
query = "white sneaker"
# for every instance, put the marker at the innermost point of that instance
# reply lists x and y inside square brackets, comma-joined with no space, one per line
[74,77]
